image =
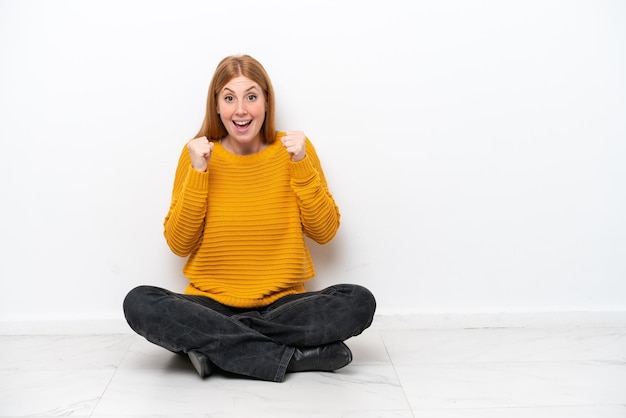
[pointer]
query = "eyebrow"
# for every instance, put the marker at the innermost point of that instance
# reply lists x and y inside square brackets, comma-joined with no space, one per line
[247,90]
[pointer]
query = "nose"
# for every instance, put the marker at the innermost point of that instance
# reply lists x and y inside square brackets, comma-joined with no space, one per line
[241,107]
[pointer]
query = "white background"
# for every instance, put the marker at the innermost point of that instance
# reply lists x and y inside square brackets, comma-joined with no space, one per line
[477,149]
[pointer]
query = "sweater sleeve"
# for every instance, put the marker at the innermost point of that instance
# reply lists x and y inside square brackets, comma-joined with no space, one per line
[318,211]
[184,222]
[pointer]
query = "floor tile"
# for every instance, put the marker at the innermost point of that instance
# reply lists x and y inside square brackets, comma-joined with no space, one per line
[63,352]
[51,392]
[491,385]
[177,391]
[611,411]
[302,412]
[505,345]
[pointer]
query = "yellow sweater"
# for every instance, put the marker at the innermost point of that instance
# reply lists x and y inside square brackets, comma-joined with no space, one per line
[242,223]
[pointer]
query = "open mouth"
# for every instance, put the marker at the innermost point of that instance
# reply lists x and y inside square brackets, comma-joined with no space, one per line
[242,124]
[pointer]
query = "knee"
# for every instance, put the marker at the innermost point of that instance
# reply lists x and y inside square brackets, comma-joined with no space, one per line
[137,301]
[367,300]
[362,300]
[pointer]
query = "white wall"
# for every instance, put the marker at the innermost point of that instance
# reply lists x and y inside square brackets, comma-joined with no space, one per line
[476,148]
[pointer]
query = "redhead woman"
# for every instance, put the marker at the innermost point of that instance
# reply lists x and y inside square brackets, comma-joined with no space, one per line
[244,198]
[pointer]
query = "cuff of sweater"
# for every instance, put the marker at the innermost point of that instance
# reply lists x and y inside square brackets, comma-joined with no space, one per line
[303,169]
[197,180]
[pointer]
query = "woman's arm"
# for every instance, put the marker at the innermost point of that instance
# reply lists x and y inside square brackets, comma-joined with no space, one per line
[184,223]
[319,213]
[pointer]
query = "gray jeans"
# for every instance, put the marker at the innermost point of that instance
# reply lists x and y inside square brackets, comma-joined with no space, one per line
[257,343]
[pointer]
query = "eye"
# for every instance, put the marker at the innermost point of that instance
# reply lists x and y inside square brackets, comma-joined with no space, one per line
[228,98]
[251,97]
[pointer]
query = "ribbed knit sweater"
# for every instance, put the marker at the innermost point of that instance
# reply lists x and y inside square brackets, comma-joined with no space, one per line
[242,223]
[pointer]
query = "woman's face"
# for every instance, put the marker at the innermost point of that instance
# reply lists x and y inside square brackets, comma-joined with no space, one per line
[241,106]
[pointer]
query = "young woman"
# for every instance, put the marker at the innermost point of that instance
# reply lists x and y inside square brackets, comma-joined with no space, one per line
[243,200]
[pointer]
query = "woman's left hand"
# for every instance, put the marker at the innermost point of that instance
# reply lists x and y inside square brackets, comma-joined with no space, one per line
[295,144]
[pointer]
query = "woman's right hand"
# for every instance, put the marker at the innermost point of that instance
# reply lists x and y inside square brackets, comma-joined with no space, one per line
[200,152]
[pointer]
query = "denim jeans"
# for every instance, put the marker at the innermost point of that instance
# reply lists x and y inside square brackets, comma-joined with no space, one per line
[257,343]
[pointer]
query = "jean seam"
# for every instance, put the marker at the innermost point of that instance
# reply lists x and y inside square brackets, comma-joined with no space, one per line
[284,362]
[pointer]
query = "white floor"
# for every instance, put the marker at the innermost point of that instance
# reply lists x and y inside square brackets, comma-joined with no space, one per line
[396,373]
